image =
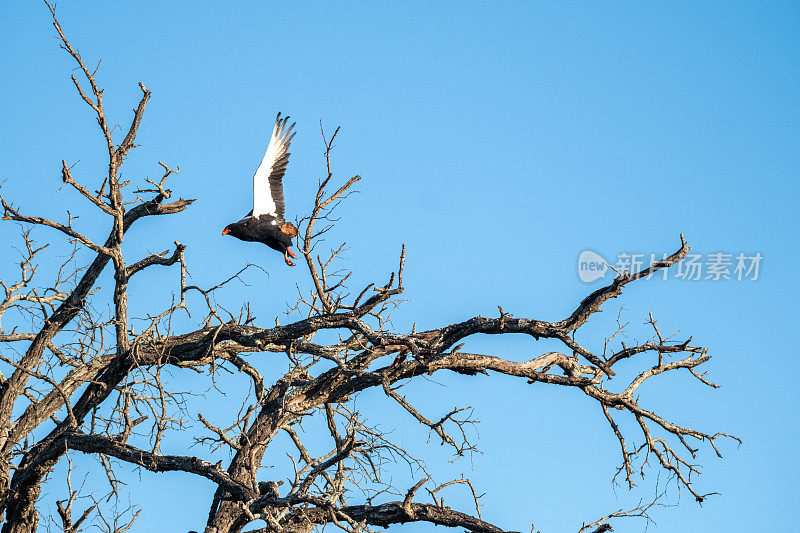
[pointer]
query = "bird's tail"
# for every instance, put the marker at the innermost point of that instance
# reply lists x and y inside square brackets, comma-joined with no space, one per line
[289,229]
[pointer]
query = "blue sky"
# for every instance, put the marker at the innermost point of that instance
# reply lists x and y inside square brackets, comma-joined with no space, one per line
[497,142]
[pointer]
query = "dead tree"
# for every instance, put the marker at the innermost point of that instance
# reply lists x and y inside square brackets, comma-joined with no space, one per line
[76,378]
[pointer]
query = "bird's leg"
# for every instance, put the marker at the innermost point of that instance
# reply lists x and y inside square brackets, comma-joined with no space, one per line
[286,257]
[289,249]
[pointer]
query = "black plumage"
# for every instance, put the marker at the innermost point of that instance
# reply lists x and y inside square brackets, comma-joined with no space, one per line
[266,229]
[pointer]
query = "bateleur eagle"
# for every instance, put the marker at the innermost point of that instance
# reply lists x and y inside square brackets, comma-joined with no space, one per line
[265,223]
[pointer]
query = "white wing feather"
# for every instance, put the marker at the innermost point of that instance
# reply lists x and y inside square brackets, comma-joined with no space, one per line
[272,165]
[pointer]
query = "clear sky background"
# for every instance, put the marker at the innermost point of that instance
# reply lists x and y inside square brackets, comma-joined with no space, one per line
[497,142]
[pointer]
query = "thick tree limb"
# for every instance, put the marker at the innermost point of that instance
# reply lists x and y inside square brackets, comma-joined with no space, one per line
[156,463]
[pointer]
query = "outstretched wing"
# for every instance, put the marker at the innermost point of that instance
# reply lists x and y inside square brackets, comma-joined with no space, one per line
[268,180]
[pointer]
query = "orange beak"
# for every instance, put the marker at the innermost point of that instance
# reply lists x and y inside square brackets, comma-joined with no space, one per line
[226,231]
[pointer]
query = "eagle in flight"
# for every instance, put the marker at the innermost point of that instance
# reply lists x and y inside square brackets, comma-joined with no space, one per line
[265,223]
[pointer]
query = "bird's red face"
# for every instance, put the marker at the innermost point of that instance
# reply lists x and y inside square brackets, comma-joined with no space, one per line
[226,230]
